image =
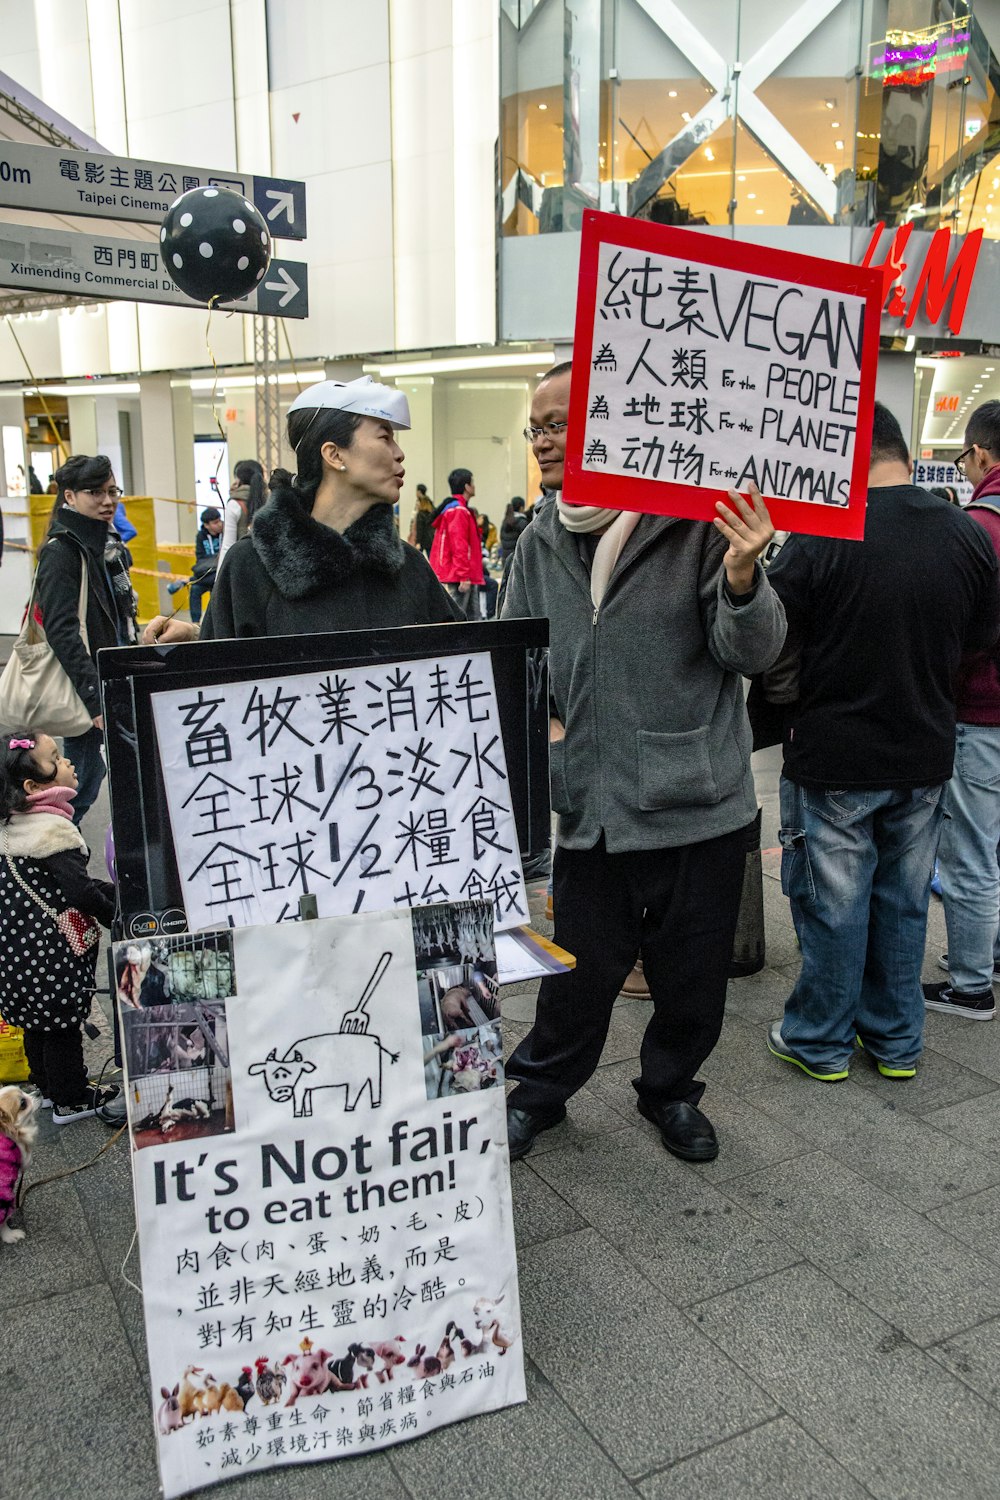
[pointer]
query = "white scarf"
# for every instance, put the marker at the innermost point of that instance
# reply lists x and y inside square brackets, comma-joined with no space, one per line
[620,526]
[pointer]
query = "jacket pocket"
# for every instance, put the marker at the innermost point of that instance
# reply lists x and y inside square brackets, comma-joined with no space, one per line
[558,785]
[677,770]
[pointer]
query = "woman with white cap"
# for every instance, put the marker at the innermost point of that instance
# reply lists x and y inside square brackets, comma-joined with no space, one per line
[324,553]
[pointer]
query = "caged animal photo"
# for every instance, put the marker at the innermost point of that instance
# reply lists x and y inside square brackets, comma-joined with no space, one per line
[179,1080]
[174,970]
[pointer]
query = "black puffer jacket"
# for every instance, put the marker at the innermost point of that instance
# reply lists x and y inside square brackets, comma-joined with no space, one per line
[294,576]
[509,534]
[75,540]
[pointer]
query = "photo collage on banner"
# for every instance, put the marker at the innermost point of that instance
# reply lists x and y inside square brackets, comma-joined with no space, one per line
[323,1199]
[704,364]
[369,787]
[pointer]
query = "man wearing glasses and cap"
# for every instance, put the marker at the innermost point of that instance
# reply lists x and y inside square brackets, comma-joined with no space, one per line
[324,553]
[653,620]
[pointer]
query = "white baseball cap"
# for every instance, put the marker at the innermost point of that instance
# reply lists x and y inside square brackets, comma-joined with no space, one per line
[365,397]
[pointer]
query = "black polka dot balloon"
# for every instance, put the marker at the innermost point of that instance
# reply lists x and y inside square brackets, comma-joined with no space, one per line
[214,244]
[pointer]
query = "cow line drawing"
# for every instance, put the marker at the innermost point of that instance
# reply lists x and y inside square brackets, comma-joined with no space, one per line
[350,1058]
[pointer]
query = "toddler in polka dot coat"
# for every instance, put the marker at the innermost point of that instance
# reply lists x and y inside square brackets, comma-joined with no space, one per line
[49,942]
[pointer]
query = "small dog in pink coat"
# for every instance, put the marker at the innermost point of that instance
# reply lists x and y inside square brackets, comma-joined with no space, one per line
[17,1136]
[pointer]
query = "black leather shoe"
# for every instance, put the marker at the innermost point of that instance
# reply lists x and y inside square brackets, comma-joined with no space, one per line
[684,1130]
[522,1128]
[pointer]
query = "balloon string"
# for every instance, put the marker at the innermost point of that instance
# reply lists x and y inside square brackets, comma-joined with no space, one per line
[215,392]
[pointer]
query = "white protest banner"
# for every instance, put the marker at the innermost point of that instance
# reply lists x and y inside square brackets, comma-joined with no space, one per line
[702,364]
[369,787]
[322,1186]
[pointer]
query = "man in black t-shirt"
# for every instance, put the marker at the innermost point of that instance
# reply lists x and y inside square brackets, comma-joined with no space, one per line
[880,628]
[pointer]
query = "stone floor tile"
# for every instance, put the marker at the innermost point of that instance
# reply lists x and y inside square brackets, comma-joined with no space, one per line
[780,944]
[869,1132]
[514,1033]
[974,1121]
[777,1461]
[74,1414]
[539,1211]
[940,1081]
[665,1218]
[885,1410]
[58,1252]
[974,1357]
[517,1003]
[538,1451]
[968,1043]
[748,1138]
[736,1058]
[974,1220]
[586,1116]
[759,998]
[904,1268]
[624,1359]
[109,1181]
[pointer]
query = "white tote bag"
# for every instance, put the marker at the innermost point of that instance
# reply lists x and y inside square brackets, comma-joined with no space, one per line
[35,692]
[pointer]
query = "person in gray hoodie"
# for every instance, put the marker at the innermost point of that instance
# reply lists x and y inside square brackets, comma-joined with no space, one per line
[653,621]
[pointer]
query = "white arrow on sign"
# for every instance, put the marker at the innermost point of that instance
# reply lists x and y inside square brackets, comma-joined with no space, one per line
[286,284]
[284,203]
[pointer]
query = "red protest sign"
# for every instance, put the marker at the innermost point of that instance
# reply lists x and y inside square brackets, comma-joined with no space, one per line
[702,364]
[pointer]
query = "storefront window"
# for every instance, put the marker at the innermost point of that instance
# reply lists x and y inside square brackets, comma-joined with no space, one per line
[934,90]
[745,114]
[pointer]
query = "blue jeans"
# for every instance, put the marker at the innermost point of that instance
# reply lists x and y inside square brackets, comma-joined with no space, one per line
[197,590]
[84,750]
[967,857]
[856,868]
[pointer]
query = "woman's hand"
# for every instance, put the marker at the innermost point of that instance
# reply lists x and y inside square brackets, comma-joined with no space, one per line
[748,530]
[556,730]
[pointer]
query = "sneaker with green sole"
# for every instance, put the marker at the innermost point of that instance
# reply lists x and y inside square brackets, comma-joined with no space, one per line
[886,1069]
[777,1048]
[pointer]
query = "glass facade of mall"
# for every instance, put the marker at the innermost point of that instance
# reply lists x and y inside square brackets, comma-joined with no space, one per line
[741,113]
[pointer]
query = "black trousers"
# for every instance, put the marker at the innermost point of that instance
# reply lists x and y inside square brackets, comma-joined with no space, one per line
[56,1062]
[679,907]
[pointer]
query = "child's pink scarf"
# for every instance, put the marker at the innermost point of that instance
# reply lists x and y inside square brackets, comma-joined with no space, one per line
[52,799]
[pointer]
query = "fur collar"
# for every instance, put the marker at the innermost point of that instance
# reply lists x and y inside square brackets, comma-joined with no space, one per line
[39,835]
[303,557]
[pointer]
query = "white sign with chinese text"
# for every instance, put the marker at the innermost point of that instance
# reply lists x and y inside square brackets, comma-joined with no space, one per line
[369,787]
[322,1187]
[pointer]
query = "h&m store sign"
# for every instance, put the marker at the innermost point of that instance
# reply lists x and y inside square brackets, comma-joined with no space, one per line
[917,279]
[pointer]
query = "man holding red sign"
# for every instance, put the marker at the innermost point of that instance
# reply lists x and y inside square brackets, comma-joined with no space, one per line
[654,619]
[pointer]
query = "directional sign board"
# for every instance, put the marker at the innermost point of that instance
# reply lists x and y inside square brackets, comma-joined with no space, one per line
[88,265]
[55,180]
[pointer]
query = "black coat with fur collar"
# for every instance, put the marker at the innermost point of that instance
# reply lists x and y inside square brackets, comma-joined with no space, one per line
[294,576]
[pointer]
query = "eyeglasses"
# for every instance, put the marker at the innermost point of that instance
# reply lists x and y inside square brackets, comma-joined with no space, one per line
[550,429]
[112,494]
[960,460]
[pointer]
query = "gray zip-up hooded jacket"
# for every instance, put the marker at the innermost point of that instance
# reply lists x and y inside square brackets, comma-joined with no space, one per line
[657,747]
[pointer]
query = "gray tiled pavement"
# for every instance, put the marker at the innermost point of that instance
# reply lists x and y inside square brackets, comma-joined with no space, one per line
[814,1316]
